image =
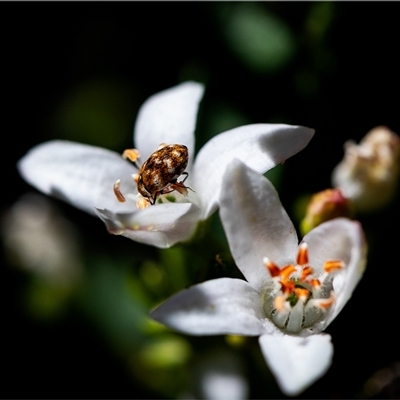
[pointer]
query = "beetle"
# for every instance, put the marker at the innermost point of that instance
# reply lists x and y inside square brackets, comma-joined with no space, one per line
[160,172]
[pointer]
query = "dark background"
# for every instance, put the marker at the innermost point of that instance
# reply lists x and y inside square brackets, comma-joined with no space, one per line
[110,57]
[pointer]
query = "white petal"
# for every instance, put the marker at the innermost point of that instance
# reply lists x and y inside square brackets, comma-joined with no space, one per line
[297,362]
[80,174]
[260,146]
[161,225]
[255,223]
[168,117]
[341,239]
[219,306]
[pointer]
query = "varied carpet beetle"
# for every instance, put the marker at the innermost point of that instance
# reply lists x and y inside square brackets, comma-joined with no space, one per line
[160,172]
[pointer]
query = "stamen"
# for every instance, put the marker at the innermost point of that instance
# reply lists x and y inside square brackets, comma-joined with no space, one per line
[325,303]
[302,255]
[298,300]
[315,283]
[332,265]
[295,320]
[131,154]
[272,267]
[280,303]
[306,272]
[282,311]
[288,286]
[286,271]
[302,293]
[117,191]
[142,203]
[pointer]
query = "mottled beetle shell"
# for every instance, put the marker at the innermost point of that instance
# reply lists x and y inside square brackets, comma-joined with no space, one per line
[162,168]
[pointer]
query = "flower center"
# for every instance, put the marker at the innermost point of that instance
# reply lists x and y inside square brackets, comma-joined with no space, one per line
[297,299]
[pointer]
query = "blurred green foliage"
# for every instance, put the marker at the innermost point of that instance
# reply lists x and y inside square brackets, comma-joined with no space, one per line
[258,37]
[99,110]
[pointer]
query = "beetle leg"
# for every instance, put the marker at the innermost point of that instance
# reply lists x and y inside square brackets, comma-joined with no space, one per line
[153,198]
[184,173]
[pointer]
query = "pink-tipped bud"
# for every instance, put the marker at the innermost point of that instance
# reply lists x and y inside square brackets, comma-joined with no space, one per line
[324,206]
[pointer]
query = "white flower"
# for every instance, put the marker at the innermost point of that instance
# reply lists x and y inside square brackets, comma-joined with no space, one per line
[292,293]
[85,175]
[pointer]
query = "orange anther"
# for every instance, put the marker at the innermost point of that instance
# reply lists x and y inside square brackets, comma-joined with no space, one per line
[131,155]
[286,271]
[142,203]
[288,287]
[315,283]
[306,271]
[302,255]
[328,302]
[272,267]
[302,293]
[332,265]
[279,303]
[117,192]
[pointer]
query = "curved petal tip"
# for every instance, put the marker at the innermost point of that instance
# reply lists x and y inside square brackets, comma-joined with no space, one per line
[297,362]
